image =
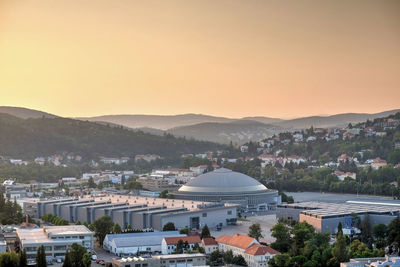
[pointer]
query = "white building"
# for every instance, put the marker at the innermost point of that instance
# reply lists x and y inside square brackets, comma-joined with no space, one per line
[55,239]
[131,243]
[168,244]
[174,260]
[209,244]
[255,254]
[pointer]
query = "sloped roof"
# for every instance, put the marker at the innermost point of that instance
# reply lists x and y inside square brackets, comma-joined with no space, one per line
[189,239]
[257,249]
[239,241]
[141,239]
[209,241]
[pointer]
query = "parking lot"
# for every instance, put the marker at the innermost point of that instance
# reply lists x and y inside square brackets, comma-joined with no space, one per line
[266,222]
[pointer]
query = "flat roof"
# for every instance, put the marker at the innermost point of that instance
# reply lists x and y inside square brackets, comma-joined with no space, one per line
[40,235]
[67,229]
[326,210]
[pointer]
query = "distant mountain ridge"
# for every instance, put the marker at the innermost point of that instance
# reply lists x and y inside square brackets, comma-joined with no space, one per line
[213,128]
[237,132]
[25,113]
[161,122]
[337,120]
[30,138]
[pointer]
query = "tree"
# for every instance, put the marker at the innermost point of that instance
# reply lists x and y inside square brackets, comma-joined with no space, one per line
[179,247]
[164,194]
[76,255]
[9,259]
[116,229]
[216,258]
[393,233]
[301,233]
[282,237]
[339,229]
[185,231]
[228,257]
[67,260]
[78,222]
[22,259]
[169,226]
[41,257]
[205,232]
[379,231]
[239,260]
[339,251]
[366,234]
[91,183]
[87,260]
[280,260]
[255,231]
[102,226]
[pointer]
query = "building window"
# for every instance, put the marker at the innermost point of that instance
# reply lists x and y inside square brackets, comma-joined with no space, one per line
[205,214]
[81,237]
[229,212]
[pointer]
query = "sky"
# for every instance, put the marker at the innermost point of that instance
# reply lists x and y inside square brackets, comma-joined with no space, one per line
[231,58]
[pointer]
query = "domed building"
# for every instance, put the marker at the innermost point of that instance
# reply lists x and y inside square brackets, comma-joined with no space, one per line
[224,185]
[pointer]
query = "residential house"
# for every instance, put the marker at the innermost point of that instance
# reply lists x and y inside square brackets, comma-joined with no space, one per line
[209,244]
[169,244]
[343,158]
[378,163]
[342,175]
[255,254]
[199,169]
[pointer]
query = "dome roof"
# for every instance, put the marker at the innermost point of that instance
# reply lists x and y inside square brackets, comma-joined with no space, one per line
[223,181]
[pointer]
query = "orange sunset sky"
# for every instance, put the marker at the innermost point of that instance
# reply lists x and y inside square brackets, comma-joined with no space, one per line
[228,58]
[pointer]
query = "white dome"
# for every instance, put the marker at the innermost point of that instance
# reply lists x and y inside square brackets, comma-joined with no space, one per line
[223,181]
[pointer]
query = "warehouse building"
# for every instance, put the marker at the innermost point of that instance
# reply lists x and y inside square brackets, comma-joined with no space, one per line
[130,244]
[325,217]
[226,186]
[173,260]
[55,239]
[138,212]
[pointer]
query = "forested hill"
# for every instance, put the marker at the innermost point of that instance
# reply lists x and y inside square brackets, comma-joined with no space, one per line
[29,138]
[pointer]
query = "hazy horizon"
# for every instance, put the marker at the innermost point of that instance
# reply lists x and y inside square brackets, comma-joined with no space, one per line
[285,59]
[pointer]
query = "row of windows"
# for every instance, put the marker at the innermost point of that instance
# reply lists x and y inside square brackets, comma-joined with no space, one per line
[68,237]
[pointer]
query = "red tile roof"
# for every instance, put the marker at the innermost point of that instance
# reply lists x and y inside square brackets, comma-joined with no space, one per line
[240,241]
[257,249]
[209,241]
[189,239]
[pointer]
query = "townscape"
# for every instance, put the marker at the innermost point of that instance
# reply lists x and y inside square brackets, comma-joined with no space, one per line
[199,133]
[232,205]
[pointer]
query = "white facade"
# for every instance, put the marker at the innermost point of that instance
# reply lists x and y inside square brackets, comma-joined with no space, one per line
[132,243]
[55,239]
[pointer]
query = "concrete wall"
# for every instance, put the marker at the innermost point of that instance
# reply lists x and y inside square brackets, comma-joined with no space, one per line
[288,213]
[213,218]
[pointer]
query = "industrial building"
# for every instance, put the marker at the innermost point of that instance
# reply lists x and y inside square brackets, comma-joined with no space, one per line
[173,260]
[325,217]
[136,211]
[226,186]
[128,244]
[55,239]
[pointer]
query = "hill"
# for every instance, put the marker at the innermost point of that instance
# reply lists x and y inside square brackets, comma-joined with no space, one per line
[29,138]
[338,120]
[160,122]
[240,131]
[25,113]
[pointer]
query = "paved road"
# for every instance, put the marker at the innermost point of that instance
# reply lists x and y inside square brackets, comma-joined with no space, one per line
[266,222]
